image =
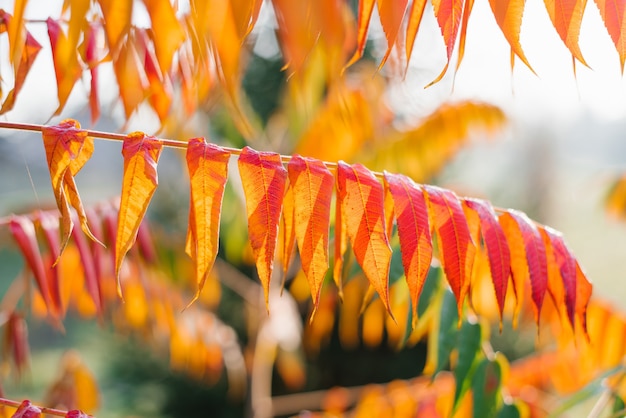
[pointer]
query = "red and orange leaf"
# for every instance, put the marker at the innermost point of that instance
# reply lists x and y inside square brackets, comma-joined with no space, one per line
[288,232]
[67,149]
[159,87]
[117,18]
[131,77]
[90,269]
[362,203]
[67,68]
[497,247]
[566,264]
[208,171]
[508,14]
[456,248]
[312,185]
[263,177]
[448,14]
[92,61]
[167,32]
[23,231]
[27,410]
[77,413]
[341,242]
[467,11]
[49,224]
[415,19]
[535,251]
[391,14]
[366,7]
[556,289]
[612,12]
[16,29]
[416,245]
[16,341]
[566,17]
[141,155]
[583,295]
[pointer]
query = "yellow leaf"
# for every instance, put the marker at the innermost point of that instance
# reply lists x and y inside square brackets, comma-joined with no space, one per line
[117,17]
[167,32]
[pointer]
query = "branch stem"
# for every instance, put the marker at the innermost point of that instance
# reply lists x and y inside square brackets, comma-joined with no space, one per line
[49,411]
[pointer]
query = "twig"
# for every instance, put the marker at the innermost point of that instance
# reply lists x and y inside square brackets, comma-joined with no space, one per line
[49,411]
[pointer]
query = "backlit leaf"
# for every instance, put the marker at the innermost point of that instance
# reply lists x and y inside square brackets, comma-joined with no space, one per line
[27,410]
[141,154]
[391,13]
[415,18]
[469,346]
[362,201]
[448,13]
[411,213]
[131,76]
[583,295]
[312,185]
[67,149]
[455,244]
[513,223]
[566,17]
[467,10]
[90,268]
[556,287]
[49,224]
[508,14]
[17,31]
[16,342]
[497,247]
[167,32]
[486,387]
[67,68]
[567,267]
[612,12]
[341,243]
[76,413]
[288,232]
[447,332]
[366,7]
[117,18]
[208,171]
[159,87]
[263,177]
[92,61]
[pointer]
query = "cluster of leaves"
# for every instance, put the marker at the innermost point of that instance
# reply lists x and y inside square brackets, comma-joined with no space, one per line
[200,48]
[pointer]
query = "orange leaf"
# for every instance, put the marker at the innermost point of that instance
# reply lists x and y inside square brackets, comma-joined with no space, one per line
[341,244]
[455,244]
[141,155]
[66,67]
[467,11]
[567,16]
[514,223]
[288,231]
[448,14]
[208,171]
[415,19]
[90,268]
[49,224]
[160,89]
[508,14]
[23,231]
[27,410]
[91,59]
[497,247]
[67,149]
[131,77]
[117,16]
[366,7]
[167,32]
[561,272]
[414,232]
[583,295]
[612,12]
[361,197]
[391,14]
[312,186]
[263,177]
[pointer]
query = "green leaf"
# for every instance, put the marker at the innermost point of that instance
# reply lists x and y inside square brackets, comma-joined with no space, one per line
[430,286]
[509,411]
[469,343]
[447,335]
[618,406]
[486,388]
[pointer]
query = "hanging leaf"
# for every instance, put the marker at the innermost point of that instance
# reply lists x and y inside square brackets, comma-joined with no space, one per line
[341,242]
[16,342]
[416,246]
[583,295]
[159,87]
[508,14]
[567,267]
[415,18]
[455,244]
[288,231]
[117,19]
[312,185]
[366,7]
[516,223]
[67,68]
[131,76]
[263,177]
[469,346]
[208,171]
[448,14]
[566,17]
[467,11]
[23,231]
[361,197]
[486,386]
[167,32]
[67,149]
[612,12]
[16,29]
[90,268]
[49,224]
[497,248]
[391,13]
[141,154]
[92,60]
[27,410]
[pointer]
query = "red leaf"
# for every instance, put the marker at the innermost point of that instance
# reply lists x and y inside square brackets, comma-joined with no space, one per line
[514,222]
[90,267]
[391,14]
[567,268]
[16,342]
[263,177]
[67,68]
[341,244]
[448,14]
[361,197]
[50,226]
[497,247]
[159,86]
[75,413]
[27,410]
[583,294]
[92,61]
[23,231]
[455,244]
[612,12]
[416,246]
[312,185]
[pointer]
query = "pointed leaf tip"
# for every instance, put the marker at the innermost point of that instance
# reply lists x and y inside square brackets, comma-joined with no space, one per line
[361,197]
[208,170]
[263,178]
[141,154]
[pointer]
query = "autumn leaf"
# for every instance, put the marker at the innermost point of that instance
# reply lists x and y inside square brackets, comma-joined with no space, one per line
[448,13]
[92,60]
[583,295]
[361,197]
[455,244]
[416,13]
[508,14]
[141,155]
[16,342]
[312,185]
[366,7]
[159,87]
[77,413]
[90,268]
[416,246]
[208,171]
[517,224]
[263,177]
[497,247]
[49,224]
[566,17]
[67,149]
[131,76]
[67,68]
[341,243]
[287,234]
[566,264]
[167,32]
[117,20]
[27,410]
[391,13]
[612,12]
